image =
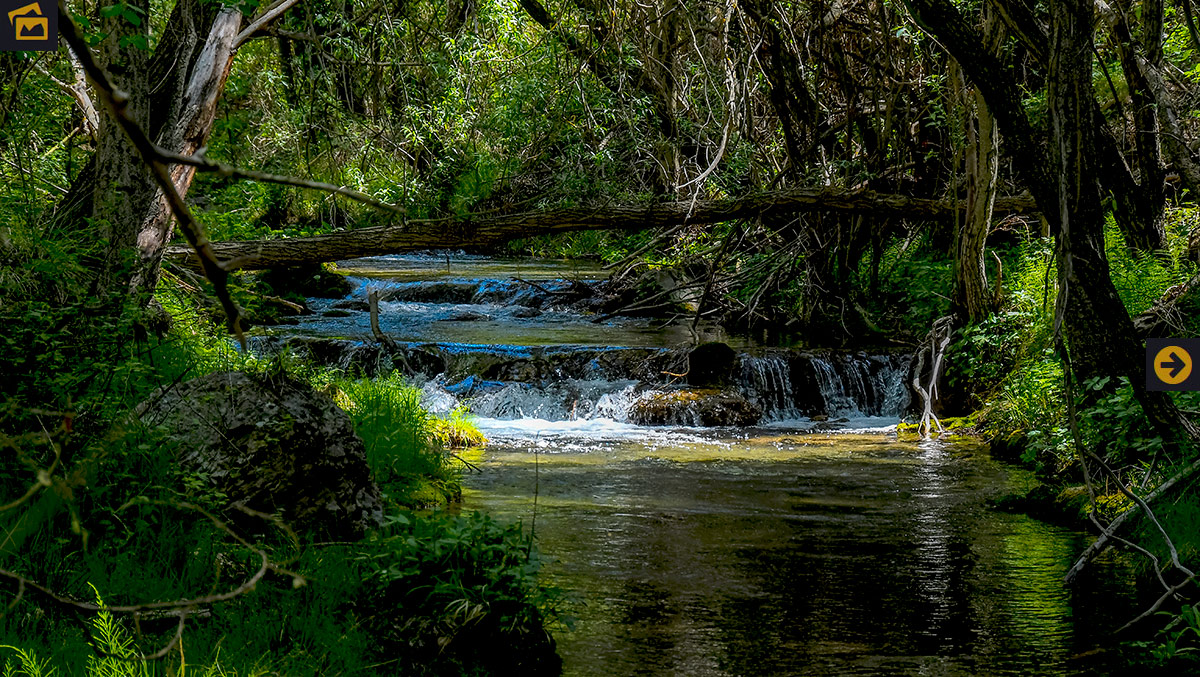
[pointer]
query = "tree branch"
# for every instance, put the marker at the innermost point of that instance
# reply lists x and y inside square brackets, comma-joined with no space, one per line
[272,13]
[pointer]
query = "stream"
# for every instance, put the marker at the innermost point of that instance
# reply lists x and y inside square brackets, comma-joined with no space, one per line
[809,542]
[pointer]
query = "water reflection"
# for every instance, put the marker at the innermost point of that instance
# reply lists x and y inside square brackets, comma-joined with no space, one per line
[852,555]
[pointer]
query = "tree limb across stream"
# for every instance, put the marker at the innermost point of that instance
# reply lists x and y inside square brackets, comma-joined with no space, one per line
[486,230]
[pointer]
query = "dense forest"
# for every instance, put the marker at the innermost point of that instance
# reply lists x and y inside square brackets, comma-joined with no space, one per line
[1002,193]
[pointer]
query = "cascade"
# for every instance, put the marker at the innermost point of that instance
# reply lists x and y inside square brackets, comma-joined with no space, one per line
[514,342]
[767,381]
[859,385]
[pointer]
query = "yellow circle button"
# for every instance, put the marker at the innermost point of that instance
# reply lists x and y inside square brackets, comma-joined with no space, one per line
[1173,365]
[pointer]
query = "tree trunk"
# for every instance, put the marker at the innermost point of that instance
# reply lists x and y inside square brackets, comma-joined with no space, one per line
[185,135]
[453,233]
[115,198]
[972,298]
[1097,326]
[120,185]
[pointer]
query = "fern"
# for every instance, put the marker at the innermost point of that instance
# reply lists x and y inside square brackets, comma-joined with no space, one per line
[118,655]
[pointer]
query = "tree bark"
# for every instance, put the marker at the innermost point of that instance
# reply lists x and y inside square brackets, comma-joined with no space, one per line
[186,134]
[972,298]
[119,185]
[1098,329]
[172,97]
[468,231]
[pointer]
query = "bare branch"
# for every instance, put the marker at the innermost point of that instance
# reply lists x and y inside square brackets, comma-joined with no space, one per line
[1180,480]
[177,605]
[272,13]
[203,164]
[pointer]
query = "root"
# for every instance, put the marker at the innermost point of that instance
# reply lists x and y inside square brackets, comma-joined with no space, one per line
[939,339]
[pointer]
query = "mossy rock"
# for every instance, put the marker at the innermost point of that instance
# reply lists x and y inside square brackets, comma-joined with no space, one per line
[952,425]
[274,445]
[708,407]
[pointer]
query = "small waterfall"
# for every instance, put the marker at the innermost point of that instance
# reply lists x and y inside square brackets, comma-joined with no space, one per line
[767,381]
[830,382]
[858,385]
[568,400]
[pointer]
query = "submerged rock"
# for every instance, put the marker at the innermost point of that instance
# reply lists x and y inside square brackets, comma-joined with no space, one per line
[708,407]
[274,445]
[522,312]
[468,316]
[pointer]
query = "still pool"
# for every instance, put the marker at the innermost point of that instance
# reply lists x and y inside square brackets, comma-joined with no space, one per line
[761,552]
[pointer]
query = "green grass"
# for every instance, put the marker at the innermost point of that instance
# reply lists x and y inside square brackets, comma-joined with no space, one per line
[403,443]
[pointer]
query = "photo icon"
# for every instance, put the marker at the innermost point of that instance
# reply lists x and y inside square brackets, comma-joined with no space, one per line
[32,28]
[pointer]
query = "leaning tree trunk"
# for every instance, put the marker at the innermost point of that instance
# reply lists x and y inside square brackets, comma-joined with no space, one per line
[172,95]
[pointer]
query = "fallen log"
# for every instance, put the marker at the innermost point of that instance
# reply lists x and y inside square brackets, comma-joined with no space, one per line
[487,230]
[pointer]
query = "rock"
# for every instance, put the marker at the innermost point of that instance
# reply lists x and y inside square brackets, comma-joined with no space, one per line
[676,283]
[437,291]
[467,316]
[709,407]
[522,312]
[307,281]
[274,445]
[710,365]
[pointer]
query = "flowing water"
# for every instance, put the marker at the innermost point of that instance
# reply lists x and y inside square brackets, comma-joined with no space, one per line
[812,543]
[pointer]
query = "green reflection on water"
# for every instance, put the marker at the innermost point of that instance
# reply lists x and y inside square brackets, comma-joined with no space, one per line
[793,554]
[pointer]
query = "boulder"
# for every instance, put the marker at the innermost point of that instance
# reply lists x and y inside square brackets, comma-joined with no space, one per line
[710,365]
[274,445]
[705,407]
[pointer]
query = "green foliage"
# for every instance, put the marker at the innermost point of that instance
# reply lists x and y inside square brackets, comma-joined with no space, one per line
[915,284]
[405,455]
[1181,641]
[28,664]
[470,568]
[116,654]
[458,431]
[607,246]
[430,594]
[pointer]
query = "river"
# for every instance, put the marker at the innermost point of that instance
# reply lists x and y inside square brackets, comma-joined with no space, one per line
[804,544]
